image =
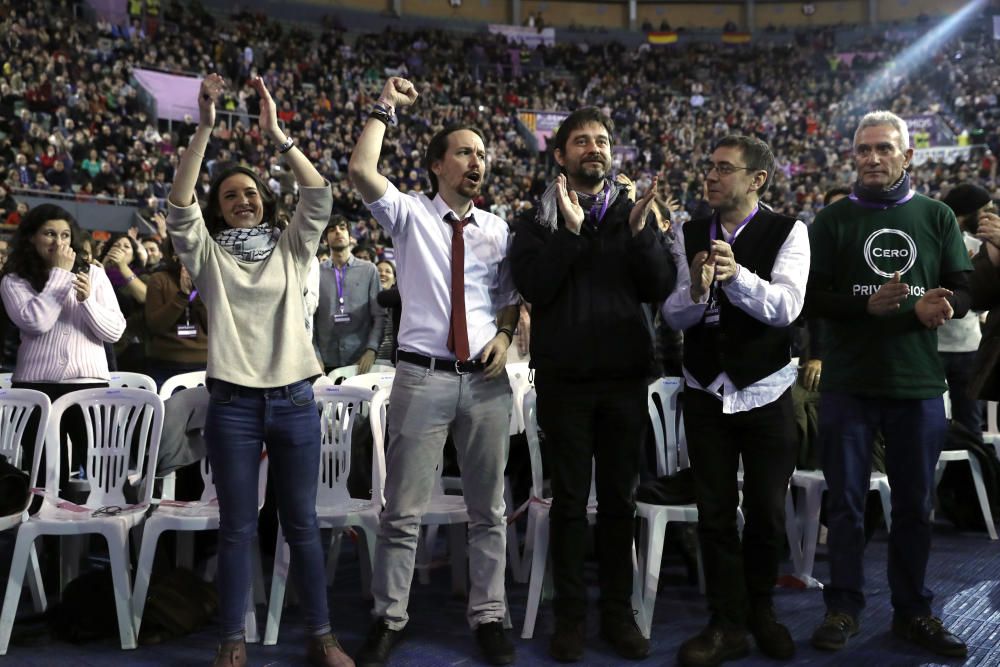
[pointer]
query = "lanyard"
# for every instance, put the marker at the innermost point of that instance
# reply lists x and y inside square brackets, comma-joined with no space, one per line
[340,273]
[713,232]
[187,309]
[594,215]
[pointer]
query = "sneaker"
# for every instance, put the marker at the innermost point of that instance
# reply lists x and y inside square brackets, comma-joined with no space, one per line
[378,645]
[929,632]
[832,634]
[231,653]
[494,643]
[620,630]
[325,651]
[773,638]
[566,644]
[713,646]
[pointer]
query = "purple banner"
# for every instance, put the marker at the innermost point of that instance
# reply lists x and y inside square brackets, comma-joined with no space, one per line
[176,96]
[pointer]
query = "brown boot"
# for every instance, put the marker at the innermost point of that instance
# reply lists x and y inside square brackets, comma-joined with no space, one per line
[232,653]
[325,651]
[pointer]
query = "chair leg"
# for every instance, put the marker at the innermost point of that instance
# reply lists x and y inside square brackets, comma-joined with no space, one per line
[35,584]
[147,556]
[118,554]
[425,554]
[333,556]
[250,621]
[810,511]
[22,548]
[655,532]
[539,560]
[793,531]
[279,579]
[886,493]
[366,556]
[984,501]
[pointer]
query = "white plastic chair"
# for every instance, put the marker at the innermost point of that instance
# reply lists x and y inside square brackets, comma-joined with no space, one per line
[16,407]
[949,456]
[338,375]
[376,380]
[182,381]
[671,456]
[992,434]
[190,517]
[520,381]
[112,417]
[6,380]
[340,407]
[802,522]
[133,381]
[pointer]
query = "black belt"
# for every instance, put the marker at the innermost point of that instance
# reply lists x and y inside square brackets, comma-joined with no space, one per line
[449,365]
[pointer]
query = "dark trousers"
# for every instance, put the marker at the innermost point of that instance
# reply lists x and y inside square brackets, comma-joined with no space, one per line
[958,369]
[914,431]
[740,577]
[72,426]
[601,423]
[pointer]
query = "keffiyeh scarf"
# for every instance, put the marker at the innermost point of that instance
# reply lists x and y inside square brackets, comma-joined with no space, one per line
[250,245]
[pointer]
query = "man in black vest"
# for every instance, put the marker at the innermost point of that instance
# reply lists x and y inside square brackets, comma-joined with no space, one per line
[747,283]
[587,263]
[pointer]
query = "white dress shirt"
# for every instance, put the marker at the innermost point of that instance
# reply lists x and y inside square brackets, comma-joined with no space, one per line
[776,302]
[422,240]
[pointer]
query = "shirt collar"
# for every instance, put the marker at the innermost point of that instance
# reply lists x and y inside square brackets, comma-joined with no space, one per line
[443,210]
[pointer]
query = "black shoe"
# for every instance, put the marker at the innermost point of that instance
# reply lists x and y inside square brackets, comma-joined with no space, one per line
[712,646]
[566,644]
[928,632]
[832,634]
[493,642]
[378,645]
[620,630]
[773,638]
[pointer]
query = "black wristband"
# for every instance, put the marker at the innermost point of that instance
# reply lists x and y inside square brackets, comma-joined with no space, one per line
[287,146]
[510,334]
[381,117]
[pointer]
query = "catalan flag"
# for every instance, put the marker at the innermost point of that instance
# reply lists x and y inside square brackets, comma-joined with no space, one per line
[735,38]
[661,37]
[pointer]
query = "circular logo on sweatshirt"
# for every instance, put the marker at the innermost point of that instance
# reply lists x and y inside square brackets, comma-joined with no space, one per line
[890,250]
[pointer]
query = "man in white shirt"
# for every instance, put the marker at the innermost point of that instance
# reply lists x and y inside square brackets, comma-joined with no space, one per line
[458,316]
[746,285]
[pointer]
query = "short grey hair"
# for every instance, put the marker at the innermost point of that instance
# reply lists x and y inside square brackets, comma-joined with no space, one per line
[878,118]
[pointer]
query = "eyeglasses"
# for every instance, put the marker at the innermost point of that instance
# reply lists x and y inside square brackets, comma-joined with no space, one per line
[723,169]
[109,510]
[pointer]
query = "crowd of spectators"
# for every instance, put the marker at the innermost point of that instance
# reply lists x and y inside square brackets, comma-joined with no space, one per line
[72,119]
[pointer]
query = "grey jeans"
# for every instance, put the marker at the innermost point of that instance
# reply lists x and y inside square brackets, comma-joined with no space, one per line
[424,406]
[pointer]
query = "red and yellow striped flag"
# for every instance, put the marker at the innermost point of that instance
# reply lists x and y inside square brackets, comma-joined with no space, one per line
[661,37]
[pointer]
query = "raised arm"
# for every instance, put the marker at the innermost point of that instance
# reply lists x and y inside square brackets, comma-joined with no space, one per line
[305,173]
[363,167]
[186,177]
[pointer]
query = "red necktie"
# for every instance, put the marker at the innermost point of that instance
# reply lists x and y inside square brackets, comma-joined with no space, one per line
[458,331]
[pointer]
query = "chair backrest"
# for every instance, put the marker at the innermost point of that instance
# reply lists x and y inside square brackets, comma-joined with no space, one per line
[340,406]
[519,375]
[132,381]
[16,408]
[663,400]
[209,493]
[338,375]
[122,425]
[374,381]
[181,381]
[991,417]
[6,380]
[528,409]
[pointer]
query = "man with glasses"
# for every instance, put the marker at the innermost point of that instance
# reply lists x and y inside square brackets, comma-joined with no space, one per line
[587,263]
[888,268]
[745,287]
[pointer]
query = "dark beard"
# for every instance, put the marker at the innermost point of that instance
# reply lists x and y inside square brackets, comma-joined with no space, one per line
[589,177]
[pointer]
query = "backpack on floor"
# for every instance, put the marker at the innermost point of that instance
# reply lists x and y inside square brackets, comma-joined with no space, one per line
[178,603]
[86,611]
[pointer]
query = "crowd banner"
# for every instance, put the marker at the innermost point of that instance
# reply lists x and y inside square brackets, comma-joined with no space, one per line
[524,35]
[945,154]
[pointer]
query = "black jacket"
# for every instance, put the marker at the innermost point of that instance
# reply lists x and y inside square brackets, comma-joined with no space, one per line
[586,294]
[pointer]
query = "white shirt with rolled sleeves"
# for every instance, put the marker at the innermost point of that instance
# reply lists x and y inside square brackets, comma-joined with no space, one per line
[62,338]
[776,302]
[422,240]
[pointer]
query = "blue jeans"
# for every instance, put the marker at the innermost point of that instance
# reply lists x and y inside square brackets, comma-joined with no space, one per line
[240,420]
[914,431]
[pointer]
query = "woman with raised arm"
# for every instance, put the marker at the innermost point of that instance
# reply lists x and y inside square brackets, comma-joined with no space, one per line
[251,276]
